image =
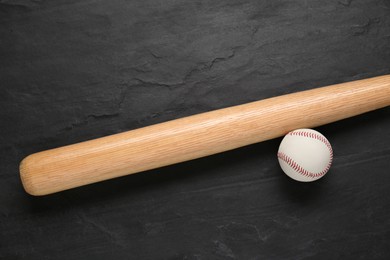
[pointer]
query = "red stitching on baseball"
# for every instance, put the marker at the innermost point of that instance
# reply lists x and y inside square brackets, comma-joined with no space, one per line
[317,137]
[299,168]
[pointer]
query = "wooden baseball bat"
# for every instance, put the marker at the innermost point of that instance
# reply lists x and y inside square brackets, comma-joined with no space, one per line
[198,135]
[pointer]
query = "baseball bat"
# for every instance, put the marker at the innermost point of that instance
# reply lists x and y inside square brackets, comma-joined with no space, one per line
[198,135]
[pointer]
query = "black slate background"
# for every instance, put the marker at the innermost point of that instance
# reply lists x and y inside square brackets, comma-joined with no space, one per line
[75,70]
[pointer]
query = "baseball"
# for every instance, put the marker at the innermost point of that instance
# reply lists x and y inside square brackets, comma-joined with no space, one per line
[305,155]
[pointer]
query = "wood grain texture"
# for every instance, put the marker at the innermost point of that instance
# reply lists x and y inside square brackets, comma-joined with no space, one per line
[198,136]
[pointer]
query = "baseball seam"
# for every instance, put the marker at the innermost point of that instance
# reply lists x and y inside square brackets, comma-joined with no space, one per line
[317,137]
[293,164]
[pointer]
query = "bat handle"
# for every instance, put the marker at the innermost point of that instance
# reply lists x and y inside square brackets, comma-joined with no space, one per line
[199,135]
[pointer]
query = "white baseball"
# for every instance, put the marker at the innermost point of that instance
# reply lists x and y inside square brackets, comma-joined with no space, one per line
[305,155]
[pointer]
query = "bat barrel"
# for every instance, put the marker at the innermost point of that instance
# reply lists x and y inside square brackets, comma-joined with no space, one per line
[198,136]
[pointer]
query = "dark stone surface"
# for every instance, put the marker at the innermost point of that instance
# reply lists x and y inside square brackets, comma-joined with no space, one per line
[76,70]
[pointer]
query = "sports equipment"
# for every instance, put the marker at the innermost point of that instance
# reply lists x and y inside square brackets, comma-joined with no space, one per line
[305,155]
[199,135]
